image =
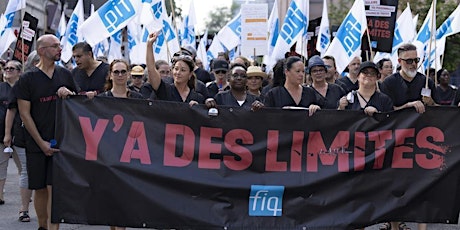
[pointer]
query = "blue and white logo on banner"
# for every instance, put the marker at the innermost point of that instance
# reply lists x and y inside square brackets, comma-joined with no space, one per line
[325,40]
[117,37]
[349,34]
[266,200]
[445,28]
[424,34]
[114,14]
[294,23]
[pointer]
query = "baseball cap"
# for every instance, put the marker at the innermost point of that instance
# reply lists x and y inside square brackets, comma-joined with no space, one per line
[368,64]
[219,65]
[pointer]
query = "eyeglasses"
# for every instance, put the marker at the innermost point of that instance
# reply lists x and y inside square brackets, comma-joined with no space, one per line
[316,71]
[53,46]
[370,73]
[10,68]
[411,60]
[118,72]
[221,72]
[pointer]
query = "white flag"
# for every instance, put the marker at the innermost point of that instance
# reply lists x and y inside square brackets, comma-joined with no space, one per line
[405,31]
[302,41]
[60,32]
[201,51]
[115,47]
[6,22]
[449,27]
[347,43]
[324,34]
[422,39]
[72,34]
[188,36]
[273,28]
[230,34]
[136,49]
[294,27]
[109,19]
[214,49]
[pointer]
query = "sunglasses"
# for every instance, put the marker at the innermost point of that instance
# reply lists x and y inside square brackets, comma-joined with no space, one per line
[118,72]
[137,76]
[411,60]
[181,58]
[370,73]
[221,72]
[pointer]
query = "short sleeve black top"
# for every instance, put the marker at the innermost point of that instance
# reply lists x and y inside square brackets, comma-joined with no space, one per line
[331,100]
[446,97]
[131,94]
[168,92]
[95,82]
[378,100]
[5,90]
[40,90]
[401,91]
[227,98]
[280,97]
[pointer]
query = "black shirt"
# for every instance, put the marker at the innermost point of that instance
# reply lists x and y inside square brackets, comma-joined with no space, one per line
[18,130]
[346,84]
[331,100]
[446,97]
[227,98]
[95,82]
[168,92]
[378,100]
[40,90]
[5,90]
[401,91]
[131,94]
[213,89]
[202,75]
[280,97]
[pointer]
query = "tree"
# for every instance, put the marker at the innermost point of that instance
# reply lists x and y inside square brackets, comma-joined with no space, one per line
[217,19]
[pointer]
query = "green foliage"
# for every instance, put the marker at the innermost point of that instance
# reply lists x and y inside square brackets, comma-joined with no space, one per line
[217,19]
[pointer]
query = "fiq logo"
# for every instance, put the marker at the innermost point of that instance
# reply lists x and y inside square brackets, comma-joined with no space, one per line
[266,200]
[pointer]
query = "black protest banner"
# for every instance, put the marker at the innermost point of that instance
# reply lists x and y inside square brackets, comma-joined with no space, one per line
[25,39]
[381,20]
[165,165]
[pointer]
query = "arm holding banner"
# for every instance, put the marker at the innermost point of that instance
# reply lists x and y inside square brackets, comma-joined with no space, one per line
[154,76]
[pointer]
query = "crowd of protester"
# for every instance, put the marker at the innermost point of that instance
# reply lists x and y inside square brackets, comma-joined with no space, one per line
[292,83]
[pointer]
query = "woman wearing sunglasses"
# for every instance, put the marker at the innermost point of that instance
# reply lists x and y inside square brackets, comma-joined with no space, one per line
[183,87]
[220,69]
[116,85]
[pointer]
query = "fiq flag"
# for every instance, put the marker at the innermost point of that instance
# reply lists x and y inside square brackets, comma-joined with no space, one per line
[110,18]
[347,43]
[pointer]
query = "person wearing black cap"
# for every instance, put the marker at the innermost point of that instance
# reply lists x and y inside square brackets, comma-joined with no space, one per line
[220,69]
[327,94]
[367,97]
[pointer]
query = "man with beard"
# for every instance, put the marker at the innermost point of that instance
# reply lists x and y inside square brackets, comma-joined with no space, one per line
[38,90]
[405,87]
[90,74]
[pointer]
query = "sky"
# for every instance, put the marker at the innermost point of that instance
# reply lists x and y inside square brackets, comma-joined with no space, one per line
[202,9]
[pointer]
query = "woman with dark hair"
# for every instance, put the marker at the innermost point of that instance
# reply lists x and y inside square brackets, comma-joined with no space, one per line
[446,91]
[116,85]
[183,87]
[278,77]
[385,68]
[292,93]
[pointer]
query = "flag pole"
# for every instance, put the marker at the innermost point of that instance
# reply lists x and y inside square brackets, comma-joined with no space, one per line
[432,27]
[369,41]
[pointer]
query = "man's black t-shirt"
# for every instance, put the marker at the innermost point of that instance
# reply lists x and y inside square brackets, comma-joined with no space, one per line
[40,90]
[95,82]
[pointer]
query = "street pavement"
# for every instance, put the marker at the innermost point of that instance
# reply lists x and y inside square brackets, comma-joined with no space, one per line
[9,211]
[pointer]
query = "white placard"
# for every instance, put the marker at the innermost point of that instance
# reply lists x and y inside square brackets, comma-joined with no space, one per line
[254,34]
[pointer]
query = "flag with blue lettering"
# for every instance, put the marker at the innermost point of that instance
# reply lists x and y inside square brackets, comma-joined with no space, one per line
[115,47]
[136,47]
[324,34]
[405,31]
[273,28]
[230,34]
[109,19]
[188,35]
[347,43]
[215,48]
[424,34]
[72,33]
[293,28]
[7,35]
[302,41]
[201,51]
